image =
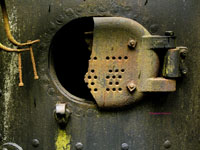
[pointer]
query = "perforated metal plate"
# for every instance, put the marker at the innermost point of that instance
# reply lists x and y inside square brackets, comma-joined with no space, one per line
[114,67]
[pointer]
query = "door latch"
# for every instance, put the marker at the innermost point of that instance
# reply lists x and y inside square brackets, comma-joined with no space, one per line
[127,61]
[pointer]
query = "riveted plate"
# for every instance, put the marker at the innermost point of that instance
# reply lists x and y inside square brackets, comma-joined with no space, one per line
[113,64]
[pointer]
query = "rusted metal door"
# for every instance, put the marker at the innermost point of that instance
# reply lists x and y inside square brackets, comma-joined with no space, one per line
[60,112]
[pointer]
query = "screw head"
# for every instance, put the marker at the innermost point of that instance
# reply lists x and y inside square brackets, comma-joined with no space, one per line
[125,146]
[167,144]
[132,43]
[169,33]
[35,142]
[79,146]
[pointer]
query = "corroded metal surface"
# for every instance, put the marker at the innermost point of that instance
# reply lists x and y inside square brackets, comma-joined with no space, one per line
[27,113]
[113,64]
[116,61]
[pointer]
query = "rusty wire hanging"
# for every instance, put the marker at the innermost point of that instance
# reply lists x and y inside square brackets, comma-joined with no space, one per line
[16,43]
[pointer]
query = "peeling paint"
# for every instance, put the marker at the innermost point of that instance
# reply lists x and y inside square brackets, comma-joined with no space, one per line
[63,140]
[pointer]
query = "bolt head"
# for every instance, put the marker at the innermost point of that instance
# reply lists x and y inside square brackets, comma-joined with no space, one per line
[79,146]
[125,146]
[132,43]
[131,86]
[35,142]
[167,144]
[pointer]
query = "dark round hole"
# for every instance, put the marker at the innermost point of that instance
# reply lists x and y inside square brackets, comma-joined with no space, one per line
[119,57]
[110,70]
[122,70]
[89,77]
[107,89]
[114,89]
[107,57]
[95,58]
[117,83]
[116,70]
[119,76]
[120,89]
[95,89]
[113,77]
[95,77]
[107,77]
[125,57]
[110,83]
[92,70]
[113,57]
[92,83]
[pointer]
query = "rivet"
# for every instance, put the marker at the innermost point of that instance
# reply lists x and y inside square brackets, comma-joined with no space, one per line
[184,70]
[167,144]
[169,33]
[79,146]
[125,146]
[35,142]
[132,43]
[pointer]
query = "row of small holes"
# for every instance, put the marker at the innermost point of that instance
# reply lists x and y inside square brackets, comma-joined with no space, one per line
[113,57]
[108,77]
[116,70]
[94,89]
[116,83]
[90,77]
[114,89]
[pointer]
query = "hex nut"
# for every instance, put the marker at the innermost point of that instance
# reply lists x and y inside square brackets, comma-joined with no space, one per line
[132,44]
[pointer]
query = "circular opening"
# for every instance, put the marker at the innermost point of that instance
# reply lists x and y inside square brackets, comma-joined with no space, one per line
[70,52]
[122,70]
[125,57]
[110,70]
[107,77]
[120,89]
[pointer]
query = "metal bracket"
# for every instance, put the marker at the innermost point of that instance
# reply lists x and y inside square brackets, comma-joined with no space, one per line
[174,63]
[158,42]
[62,113]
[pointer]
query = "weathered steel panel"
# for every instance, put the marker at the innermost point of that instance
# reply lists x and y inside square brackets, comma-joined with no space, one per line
[26,113]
